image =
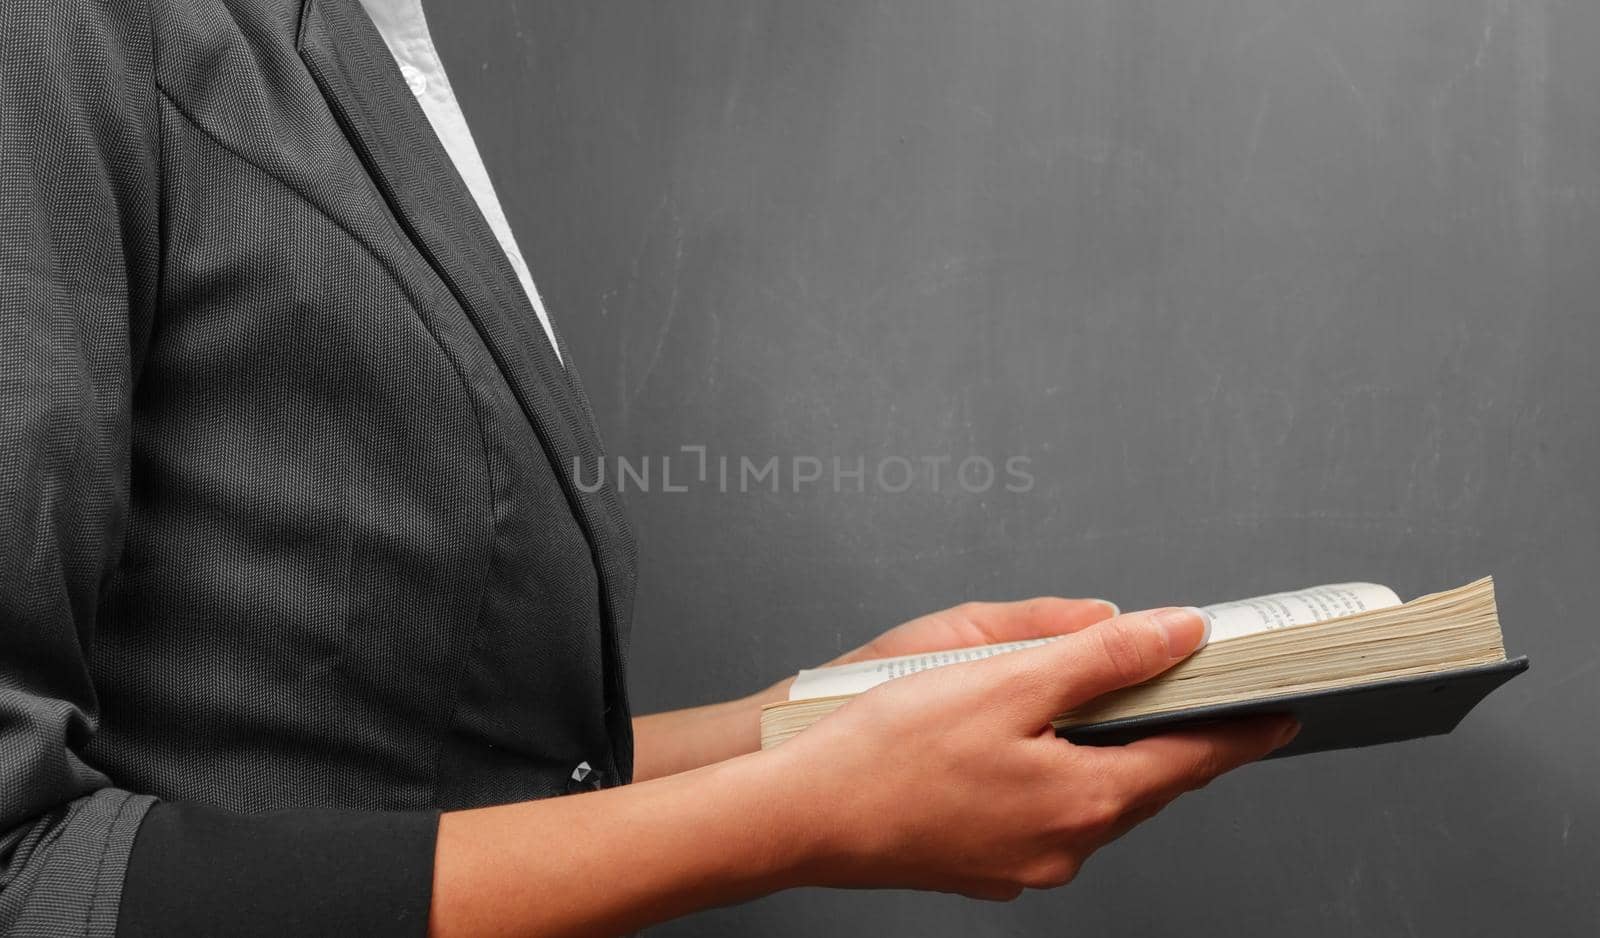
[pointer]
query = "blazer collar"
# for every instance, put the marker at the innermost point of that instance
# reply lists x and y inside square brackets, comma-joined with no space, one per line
[377,112]
[369,98]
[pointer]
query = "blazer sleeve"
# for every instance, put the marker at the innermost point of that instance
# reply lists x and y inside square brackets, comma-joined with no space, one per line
[80,233]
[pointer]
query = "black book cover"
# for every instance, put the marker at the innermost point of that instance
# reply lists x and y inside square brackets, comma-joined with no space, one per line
[1340,718]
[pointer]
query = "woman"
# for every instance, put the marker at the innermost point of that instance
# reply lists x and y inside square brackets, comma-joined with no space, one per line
[305,625]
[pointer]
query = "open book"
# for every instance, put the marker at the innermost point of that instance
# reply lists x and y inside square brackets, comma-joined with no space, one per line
[1352,662]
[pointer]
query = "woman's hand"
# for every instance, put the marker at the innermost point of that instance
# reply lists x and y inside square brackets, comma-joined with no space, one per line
[975,623]
[680,740]
[953,780]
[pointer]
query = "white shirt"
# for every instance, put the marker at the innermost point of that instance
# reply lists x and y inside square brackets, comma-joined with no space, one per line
[405,30]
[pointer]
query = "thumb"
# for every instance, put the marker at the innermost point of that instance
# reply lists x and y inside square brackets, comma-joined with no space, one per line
[1109,655]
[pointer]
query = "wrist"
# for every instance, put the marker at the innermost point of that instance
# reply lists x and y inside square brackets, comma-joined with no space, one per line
[809,831]
[786,827]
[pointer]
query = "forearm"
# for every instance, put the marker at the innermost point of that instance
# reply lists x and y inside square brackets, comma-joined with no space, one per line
[613,861]
[680,740]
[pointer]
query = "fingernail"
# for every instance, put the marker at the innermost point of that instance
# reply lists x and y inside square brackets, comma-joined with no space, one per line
[1186,629]
[1288,733]
[1116,610]
[1205,639]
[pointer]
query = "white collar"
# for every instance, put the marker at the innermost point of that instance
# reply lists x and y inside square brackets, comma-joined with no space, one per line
[404,28]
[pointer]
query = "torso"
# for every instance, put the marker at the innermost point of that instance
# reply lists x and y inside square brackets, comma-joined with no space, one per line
[355,574]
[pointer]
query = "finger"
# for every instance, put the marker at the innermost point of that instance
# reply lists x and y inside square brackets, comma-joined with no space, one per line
[1160,768]
[1104,657]
[1040,617]
[984,624]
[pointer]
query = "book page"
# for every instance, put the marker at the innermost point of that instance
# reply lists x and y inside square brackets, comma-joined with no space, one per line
[864,675]
[1228,620]
[1296,607]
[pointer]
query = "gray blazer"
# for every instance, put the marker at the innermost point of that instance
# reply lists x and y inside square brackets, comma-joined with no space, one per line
[291,549]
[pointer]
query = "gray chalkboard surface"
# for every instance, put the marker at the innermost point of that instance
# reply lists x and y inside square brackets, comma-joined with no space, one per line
[1263,293]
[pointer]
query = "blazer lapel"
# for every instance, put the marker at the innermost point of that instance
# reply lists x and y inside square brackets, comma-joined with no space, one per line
[377,112]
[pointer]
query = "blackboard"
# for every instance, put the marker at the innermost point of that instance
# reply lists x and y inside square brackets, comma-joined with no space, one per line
[1263,293]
